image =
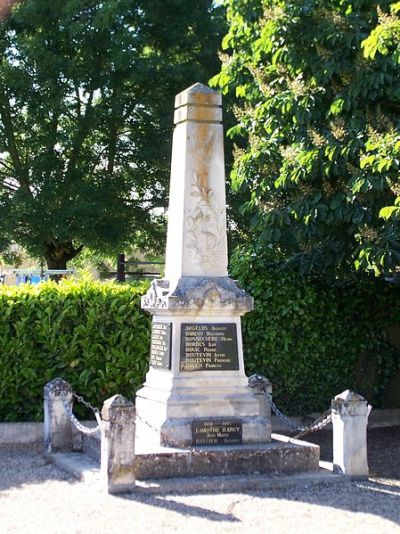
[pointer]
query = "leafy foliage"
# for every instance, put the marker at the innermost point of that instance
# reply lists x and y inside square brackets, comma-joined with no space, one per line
[314,340]
[385,38]
[94,335]
[319,125]
[86,104]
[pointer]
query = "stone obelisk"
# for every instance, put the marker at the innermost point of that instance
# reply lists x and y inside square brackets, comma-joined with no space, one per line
[196,390]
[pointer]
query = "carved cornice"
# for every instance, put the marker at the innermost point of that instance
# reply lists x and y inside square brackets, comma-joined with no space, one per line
[197,293]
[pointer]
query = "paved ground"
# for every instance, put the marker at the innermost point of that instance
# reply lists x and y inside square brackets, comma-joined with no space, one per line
[36,497]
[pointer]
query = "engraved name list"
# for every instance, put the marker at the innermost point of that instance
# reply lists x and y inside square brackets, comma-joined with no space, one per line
[160,351]
[209,347]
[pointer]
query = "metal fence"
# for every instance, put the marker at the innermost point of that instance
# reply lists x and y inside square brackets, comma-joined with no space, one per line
[139,268]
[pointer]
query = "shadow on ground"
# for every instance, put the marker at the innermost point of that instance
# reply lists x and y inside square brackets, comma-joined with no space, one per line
[379,496]
[369,497]
[181,508]
[24,464]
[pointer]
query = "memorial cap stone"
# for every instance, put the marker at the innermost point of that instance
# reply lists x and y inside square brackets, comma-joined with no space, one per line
[198,94]
[349,396]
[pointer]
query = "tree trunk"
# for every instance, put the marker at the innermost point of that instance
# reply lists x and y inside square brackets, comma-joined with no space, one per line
[5,8]
[57,255]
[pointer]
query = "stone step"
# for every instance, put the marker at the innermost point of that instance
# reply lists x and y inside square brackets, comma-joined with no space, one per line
[82,467]
[281,455]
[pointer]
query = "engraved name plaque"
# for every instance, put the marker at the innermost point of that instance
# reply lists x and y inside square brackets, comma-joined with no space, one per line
[160,350]
[216,432]
[209,347]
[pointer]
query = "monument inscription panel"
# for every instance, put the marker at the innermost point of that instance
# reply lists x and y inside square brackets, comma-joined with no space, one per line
[209,347]
[160,350]
[216,432]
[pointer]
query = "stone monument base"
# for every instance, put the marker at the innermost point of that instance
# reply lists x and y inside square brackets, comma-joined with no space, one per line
[271,458]
[279,457]
[174,417]
[179,433]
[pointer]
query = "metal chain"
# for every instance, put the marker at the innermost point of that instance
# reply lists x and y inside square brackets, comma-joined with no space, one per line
[281,415]
[78,424]
[86,403]
[318,424]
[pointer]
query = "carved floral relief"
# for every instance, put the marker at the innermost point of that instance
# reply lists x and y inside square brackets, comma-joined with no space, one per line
[205,223]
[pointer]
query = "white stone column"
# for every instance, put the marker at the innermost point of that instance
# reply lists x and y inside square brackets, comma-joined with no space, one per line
[197,367]
[349,421]
[118,444]
[57,424]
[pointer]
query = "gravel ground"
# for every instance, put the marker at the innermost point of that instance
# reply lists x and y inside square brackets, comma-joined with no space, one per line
[37,497]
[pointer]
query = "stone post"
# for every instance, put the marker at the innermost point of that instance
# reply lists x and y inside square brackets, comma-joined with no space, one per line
[57,424]
[260,385]
[349,421]
[118,444]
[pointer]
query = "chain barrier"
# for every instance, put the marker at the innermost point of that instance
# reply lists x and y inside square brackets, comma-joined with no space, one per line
[78,424]
[322,421]
[85,403]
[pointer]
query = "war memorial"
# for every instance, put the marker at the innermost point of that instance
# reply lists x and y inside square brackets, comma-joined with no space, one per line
[197,416]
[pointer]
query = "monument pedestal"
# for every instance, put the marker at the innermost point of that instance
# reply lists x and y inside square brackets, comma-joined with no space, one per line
[196,391]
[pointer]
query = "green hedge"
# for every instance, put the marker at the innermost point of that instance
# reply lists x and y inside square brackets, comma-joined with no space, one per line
[313,339]
[310,338]
[92,334]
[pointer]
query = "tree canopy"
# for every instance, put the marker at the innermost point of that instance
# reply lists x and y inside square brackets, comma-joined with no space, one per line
[86,103]
[318,132]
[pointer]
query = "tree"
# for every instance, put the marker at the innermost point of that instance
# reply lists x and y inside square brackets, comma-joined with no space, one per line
[86,103]
[319,121]
[383,150]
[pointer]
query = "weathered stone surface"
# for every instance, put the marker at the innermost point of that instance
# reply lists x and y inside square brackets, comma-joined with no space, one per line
[196,239]
[116,409]
[57,388]
[260,384]
[58,434]
[118,444]
[198,113]
[196,293]
[177,432]
[198,94]
[277,457]
[349,421]
[348,396]
[274,457]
